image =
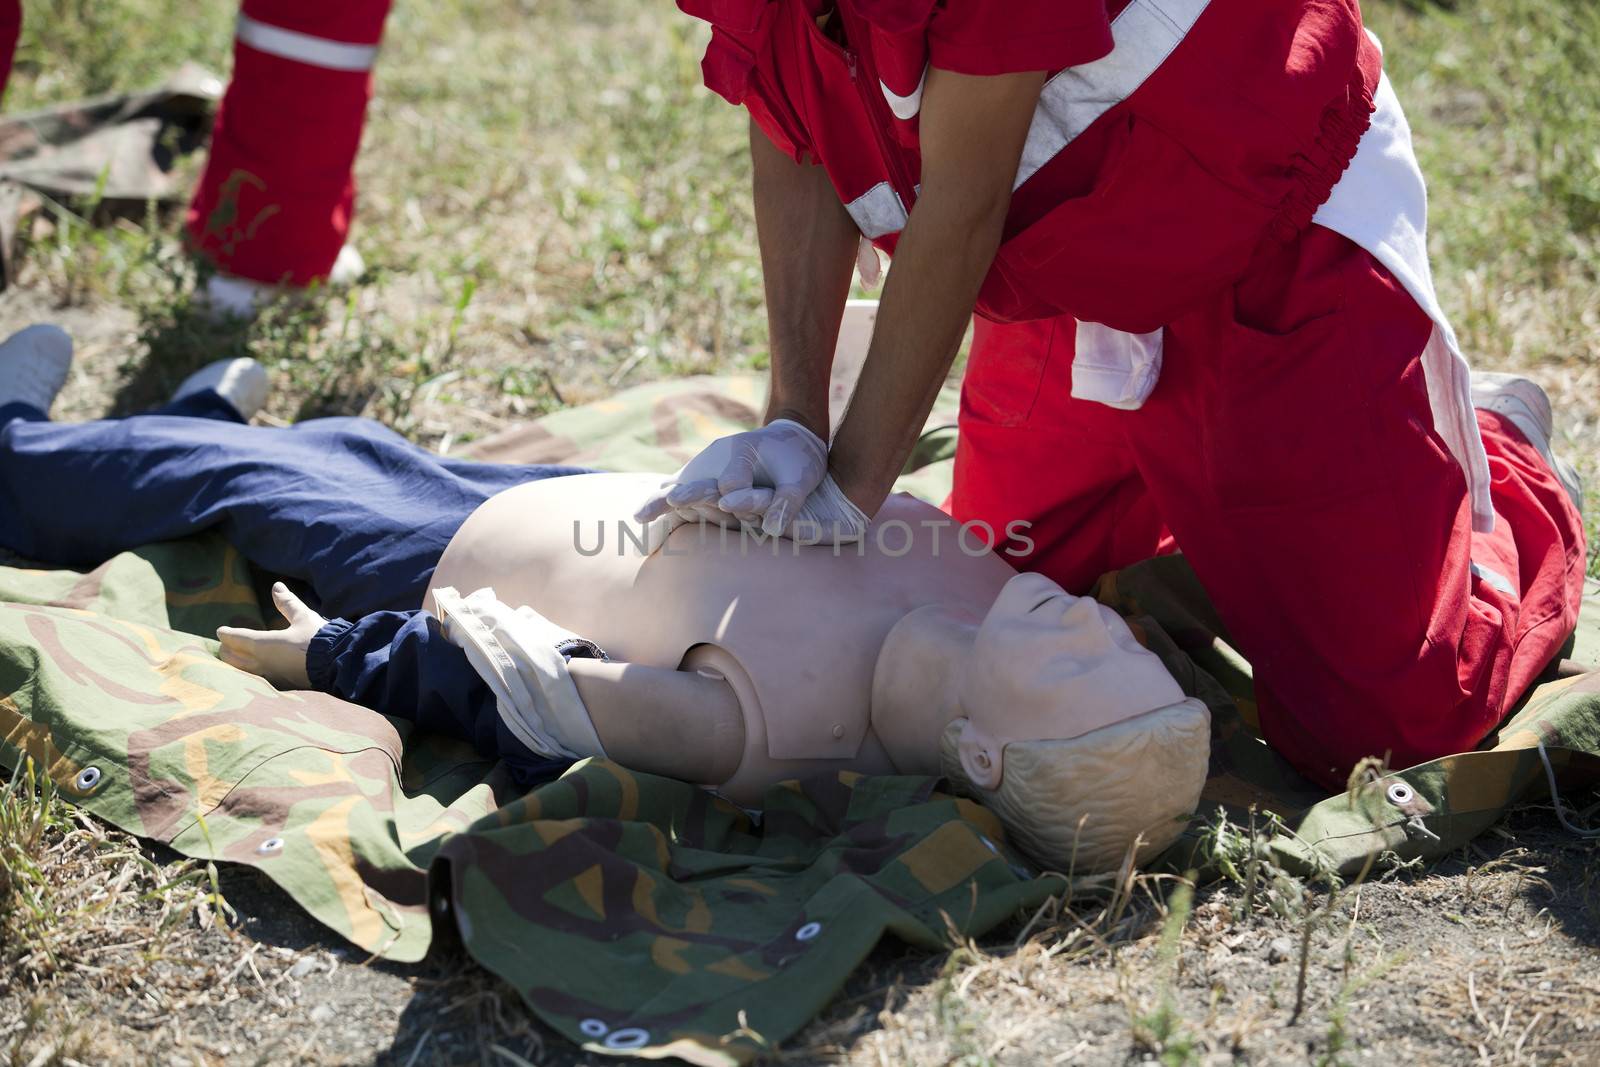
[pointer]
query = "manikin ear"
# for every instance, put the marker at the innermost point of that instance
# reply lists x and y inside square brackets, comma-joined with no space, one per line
[980,757]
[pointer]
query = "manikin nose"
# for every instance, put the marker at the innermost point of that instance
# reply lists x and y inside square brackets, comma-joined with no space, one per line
[1031,592]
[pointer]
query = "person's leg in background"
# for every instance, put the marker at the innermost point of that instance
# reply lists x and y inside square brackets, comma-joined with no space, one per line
[10,31]
[346,505]
[1030,453]
[275,202]
[1290,447]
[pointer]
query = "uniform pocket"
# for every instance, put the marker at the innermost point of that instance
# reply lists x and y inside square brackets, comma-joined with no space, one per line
[1153,235]
[1007,370]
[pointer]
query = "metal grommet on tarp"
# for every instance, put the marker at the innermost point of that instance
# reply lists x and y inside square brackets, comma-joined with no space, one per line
[629,1037]
[593,1028]
[808,931]
[1400,793]
[87,779]
[270,847]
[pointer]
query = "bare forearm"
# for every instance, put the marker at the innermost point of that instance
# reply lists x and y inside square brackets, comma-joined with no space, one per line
[973,130]
[808,244]
[939,266]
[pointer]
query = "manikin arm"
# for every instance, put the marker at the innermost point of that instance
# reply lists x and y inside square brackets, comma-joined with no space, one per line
[682,724]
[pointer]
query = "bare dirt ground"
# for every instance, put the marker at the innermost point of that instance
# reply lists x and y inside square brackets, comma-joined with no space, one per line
[1489,956]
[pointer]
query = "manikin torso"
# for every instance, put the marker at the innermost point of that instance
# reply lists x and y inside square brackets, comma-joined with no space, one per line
[795,630]
[753,662]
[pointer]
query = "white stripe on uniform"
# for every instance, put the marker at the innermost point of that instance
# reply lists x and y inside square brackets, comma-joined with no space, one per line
[905,108]
[304,48]
[878,211]
[1144,35]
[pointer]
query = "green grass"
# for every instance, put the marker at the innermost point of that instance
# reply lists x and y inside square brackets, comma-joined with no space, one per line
[1159,1030]
[542,224]
[1504,101]
[49,857]
[76,48]
[31,816]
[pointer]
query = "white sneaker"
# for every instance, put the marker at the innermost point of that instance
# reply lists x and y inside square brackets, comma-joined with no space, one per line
[227,297]
[242,382]
[34,363]
[348,267]
[1528,407]
[241,298]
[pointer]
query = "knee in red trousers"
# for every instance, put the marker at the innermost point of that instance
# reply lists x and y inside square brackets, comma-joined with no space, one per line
[276,198]
[1289,448]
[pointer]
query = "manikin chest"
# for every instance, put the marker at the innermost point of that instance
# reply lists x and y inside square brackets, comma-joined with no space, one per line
[805,623]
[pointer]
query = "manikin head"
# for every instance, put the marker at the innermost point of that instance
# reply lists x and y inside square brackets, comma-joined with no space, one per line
[1073,733]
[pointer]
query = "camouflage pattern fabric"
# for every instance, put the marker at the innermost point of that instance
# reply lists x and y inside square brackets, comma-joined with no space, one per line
[116,154]
[703,931]
[107,681]
[635,914]
[661,426]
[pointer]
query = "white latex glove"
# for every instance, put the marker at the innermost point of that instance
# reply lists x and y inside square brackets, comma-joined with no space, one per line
[774,480]
[279,656]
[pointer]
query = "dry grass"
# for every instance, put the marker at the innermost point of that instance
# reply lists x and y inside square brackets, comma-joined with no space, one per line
[111,948]
[1484,959]
[1489,956]
[87,906]
[541,224]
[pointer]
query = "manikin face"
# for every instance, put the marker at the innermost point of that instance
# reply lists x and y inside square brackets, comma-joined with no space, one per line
[1051,666]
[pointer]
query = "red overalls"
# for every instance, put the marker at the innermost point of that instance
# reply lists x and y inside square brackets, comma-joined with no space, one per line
[10,30]
[1167,191]
[275,201]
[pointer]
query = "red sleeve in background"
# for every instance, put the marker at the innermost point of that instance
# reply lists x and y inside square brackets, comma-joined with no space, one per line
[987,37]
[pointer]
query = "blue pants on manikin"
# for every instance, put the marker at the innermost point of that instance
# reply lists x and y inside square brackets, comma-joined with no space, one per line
[345,507]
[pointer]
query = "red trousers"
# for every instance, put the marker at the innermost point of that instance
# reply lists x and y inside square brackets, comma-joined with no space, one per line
[278,192]
[10,30]
[1288,450]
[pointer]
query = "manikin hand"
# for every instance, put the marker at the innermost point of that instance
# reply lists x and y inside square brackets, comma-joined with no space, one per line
[774,479]
[279,656]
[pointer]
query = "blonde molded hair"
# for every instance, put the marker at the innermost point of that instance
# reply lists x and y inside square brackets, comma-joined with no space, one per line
[1079,805]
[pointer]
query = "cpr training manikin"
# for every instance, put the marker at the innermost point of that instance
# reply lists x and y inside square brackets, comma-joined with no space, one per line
[914,651]
[525,608]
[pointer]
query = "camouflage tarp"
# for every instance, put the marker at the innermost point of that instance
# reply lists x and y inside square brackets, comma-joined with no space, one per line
[116,153]
[633,913]
[661,426]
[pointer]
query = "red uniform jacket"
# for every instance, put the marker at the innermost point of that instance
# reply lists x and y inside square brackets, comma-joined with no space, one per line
[1172,139]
